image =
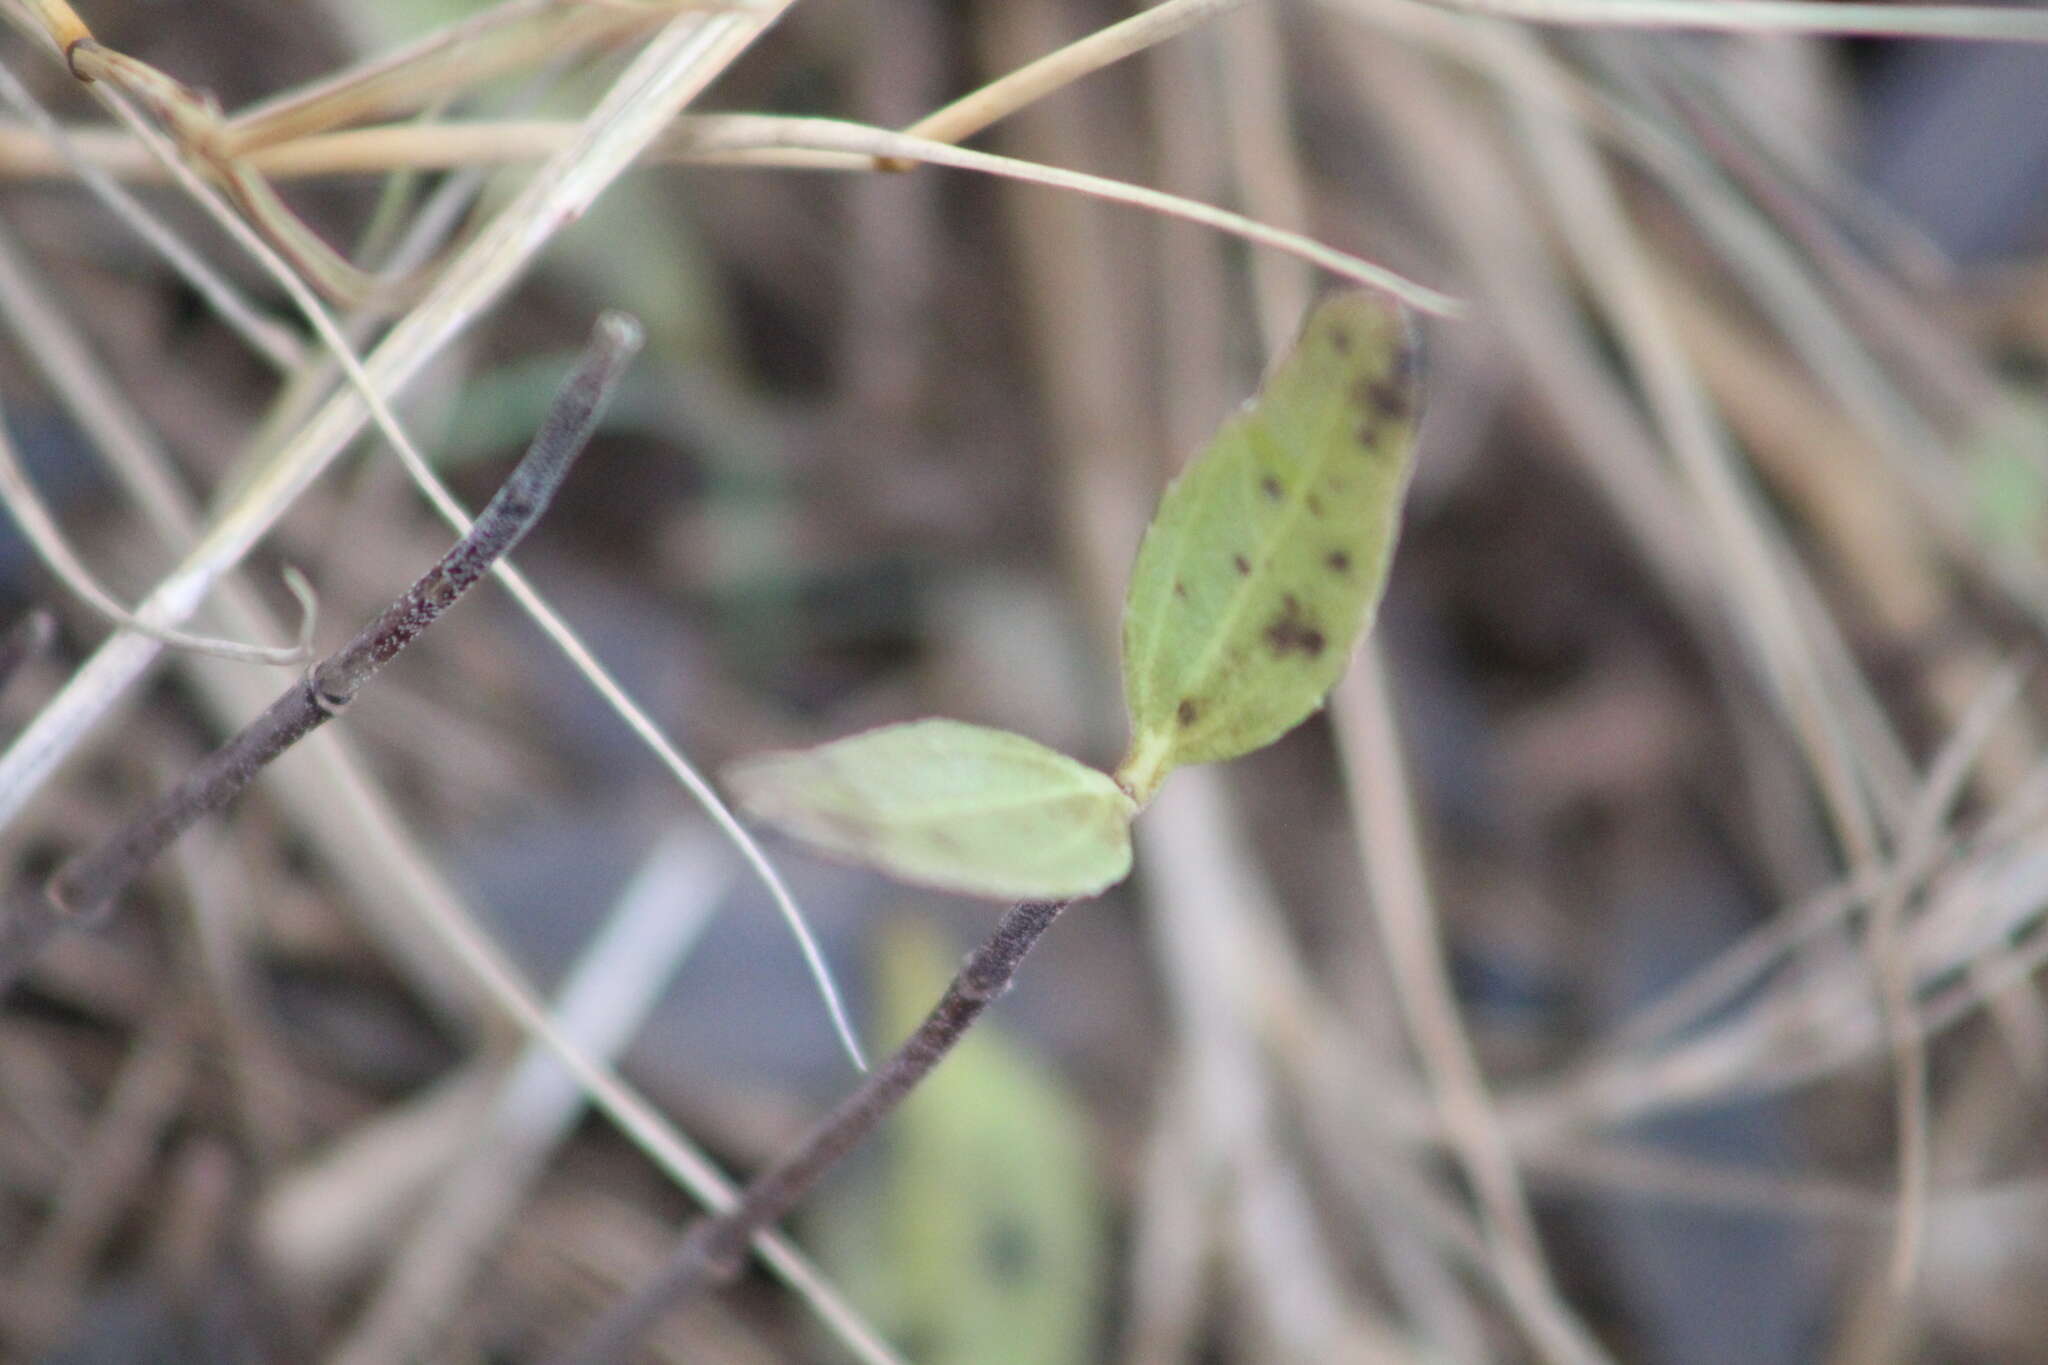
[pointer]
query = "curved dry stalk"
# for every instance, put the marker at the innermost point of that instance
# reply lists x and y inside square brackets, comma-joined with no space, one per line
[70,154]
[1598,232]
[674,67]
[46,538]
[551,624]
[709,135]
[670,1151]
[1657,1068]
[458,56]
[617,978]
[476,49]
[795,143]
[1891,959]
[1388,842]
[1000,98]
[666,75]
[1979,23]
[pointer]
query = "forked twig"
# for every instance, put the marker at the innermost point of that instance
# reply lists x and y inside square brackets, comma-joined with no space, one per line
[714,1250]
[85,888]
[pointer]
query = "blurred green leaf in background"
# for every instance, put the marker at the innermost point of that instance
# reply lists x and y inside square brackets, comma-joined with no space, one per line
[978,1235]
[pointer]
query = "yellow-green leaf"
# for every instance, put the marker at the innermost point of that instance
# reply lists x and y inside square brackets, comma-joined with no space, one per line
[956,806]
[976,1233]
[1265,562]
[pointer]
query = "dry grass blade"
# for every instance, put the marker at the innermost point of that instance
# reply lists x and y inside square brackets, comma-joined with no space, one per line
[1222,947]
[1401,903]
[613,135]
[714,136]
[1032,82]
[1805,1027]
[620,977]
[806,143]
[1600,234]
[462,55]
[640,103]
[40,528]
[1784,288]
[77,157]
[671,69]
[1973,22]
[1889,957]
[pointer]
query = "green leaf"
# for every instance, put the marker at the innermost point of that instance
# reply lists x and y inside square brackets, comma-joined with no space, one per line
[2001,464]
[976,1233]
[1266,560]
[955,806]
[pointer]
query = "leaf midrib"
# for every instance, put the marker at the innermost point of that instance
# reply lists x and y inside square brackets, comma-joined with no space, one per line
[925,812]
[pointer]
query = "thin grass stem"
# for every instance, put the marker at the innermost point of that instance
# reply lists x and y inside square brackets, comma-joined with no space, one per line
[1973,23]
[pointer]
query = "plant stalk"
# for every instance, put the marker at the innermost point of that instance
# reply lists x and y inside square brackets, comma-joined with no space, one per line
[713,1251]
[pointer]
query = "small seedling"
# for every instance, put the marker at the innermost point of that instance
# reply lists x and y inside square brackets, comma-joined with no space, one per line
[1253,585]
[1255,581]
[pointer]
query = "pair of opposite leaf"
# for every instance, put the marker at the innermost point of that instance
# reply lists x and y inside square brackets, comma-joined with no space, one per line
[1253,584]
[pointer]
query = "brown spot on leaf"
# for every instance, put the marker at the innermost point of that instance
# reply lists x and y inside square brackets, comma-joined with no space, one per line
[1338,561]
[1365,433]
[1180,590]
[1389,398]
[1405,357]
[1385,398]
[1270,486]
[1243,565]
[1314,504]
[1291,632]
[1186,712]
[1340,337]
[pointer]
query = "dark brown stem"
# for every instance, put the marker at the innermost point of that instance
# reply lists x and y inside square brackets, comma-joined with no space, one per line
[713,1251]
[85,888]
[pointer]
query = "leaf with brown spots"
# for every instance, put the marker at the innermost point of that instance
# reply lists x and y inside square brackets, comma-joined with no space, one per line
[1266,560]
[951,805]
